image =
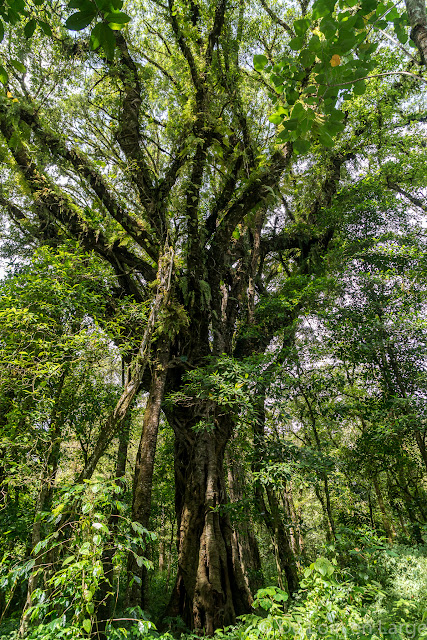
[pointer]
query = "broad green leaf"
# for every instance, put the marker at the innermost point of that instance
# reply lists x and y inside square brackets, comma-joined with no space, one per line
[322,8]
[4,77]
[326,139]
[107,40]
[324,567]
[87,625]
[359,88]
[275,118]
[260,61]
[328,27]
[80,20]
[18,66]
[401,33]
[301,146]
[1,30]
[83,5]
[117,17]
[29,28]
[140,561]
[45,27]
[298,111]
[296,43]
[301,26]
[95,39]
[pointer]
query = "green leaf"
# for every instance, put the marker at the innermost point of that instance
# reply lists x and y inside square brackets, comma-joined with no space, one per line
[45,27]
[1,31]
[302,146]
[37,548]
[83,5]
[401,33]
[322,8]
[259,62]
[107,40]
[307,57]
[298,111]
[18,66]
[296,43]
[140,561]
[29,28]
[87,625]
[275,118]
[326,139]
[324,567]
[359,88]
[80,20]
[301,26]
[328,27]
[95,37]
[117,17]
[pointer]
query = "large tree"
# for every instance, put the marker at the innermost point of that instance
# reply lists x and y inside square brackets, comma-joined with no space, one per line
[166,146]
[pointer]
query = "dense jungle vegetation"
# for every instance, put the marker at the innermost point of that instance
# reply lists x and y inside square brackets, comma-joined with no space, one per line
[213,377]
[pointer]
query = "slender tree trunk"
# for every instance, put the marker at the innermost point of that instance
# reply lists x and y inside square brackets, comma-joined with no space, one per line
[144,467]
[136,371]
[408,501]
[285,559]
[47,481]
[162,541]
[326,521]
[245,544]
[387,523]
[210,590]
[421,446]
[106,593]
[170,550]
[294,518]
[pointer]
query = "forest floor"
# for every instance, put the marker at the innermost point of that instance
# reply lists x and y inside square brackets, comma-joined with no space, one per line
[380,592]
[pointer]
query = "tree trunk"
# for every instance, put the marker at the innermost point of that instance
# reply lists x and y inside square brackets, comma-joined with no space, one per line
[416,10]
[422,447]
[47,481]
[387,523]
[285,559]
[408,500]
[326,521]
[281,540]
[245,544]
[106,594]
[297,543]
[210,590]
[144,466]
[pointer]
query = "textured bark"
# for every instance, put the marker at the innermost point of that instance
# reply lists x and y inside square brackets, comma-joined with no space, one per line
[416,10]
[144,466]
[209,591]
[285,559]
[280,535]
[245,545]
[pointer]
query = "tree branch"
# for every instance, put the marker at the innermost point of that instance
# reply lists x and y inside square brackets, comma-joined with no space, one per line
[276,19]
[96,181]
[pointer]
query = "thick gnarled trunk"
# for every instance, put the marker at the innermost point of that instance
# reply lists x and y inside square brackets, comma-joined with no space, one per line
[210,590]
